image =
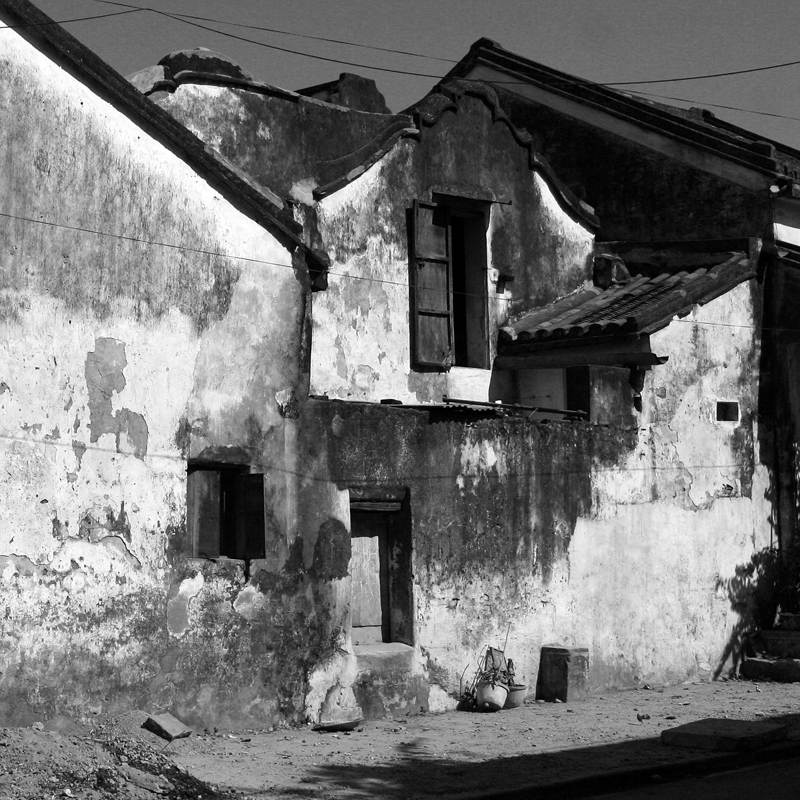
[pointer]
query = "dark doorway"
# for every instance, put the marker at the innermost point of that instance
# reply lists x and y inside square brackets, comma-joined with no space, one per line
[380,572]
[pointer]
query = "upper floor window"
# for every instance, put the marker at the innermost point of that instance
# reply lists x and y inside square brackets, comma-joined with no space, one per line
[449,279]
[225,511]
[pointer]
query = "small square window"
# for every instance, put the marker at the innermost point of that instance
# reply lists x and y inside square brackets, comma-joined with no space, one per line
[727,411]
[225,512]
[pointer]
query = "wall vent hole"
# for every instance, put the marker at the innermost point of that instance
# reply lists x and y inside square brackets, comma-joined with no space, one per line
[727,412]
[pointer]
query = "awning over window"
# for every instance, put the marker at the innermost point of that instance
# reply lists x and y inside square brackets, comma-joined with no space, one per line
[610,323]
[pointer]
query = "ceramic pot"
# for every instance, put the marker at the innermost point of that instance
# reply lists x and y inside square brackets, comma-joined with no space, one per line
[516,695]
[490,698]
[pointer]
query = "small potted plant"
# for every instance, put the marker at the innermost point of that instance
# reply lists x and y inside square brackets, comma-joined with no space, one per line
[492,681]
[516,691]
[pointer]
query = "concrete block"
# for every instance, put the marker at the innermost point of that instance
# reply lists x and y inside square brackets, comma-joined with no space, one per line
[782,644]
[563,674]
[166,726]
[782,670]
[724,734]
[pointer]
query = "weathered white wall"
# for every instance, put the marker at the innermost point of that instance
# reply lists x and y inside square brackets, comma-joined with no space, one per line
[647,580]
[140,309]
[361,333]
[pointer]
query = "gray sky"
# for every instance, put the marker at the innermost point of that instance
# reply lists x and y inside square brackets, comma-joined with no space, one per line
[601,40]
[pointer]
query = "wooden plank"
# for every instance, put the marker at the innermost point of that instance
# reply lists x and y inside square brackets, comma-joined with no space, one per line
[365,574]
[375,505]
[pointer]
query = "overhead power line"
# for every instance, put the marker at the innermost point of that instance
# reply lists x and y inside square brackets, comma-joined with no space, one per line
[187,17]
[187,20]
[131,10]
[708,75]
[718,105]
[347,275]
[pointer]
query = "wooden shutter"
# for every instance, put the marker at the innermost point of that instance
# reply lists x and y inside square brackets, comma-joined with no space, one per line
[249,516]
[432,284]
[203,500]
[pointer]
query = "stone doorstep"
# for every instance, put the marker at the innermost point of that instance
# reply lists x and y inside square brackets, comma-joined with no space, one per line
[726,735]
[781,643]
[781,670]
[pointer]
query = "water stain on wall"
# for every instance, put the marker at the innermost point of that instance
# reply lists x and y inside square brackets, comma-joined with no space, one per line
[104,376]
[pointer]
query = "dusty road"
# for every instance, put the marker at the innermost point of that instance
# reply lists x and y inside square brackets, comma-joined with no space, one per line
[780,779]
[453,754]
[415,756]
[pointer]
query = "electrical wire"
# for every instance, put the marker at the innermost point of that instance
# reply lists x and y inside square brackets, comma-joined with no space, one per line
[186,18]
[707,75]
[718,105]
[535,473]
[402,284]
[174,14]
[187,21]
[132,10]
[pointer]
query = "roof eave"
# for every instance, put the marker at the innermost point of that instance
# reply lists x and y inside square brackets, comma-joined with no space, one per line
[253,200]
[760,155]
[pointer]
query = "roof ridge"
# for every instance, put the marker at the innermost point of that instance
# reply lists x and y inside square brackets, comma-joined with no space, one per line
[757,153]
[430,109]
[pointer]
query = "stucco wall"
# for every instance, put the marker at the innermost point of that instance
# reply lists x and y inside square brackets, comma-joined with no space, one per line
[144,320]
[364,228]
[623,540]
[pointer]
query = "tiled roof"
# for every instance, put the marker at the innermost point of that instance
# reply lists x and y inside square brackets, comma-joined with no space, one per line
[643,305]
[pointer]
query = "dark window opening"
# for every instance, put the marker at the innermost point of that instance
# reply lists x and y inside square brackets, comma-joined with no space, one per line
[449,302]
[727,412]
[380,574]
[225,512]
[578,389]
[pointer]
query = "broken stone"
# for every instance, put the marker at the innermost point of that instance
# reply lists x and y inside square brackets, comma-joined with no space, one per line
[144,780]
[166,726]
[724,734]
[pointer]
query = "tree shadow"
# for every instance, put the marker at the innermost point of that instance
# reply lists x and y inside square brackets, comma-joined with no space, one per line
[413,770]
[754,595]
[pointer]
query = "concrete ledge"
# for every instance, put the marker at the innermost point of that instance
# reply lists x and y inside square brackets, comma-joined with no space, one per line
[727,735]
[782,670]
[623,779]
[780,644]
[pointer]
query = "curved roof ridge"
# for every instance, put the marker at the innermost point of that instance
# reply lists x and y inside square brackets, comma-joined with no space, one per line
[447,95]
[368,154]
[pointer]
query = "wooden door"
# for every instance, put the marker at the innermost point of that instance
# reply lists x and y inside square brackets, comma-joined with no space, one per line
[369,579]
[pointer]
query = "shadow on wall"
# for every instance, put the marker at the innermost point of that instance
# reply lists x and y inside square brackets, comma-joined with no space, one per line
[754,593]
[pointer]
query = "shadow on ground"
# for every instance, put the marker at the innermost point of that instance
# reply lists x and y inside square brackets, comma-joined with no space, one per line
[417,770]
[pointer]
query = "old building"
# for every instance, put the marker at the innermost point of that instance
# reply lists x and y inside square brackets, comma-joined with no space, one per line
[305,402]
[144,281]
[463,268]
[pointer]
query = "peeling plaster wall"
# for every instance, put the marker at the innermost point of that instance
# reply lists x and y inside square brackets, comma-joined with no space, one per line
[290,143]
[147,322]
[365,230]
[625,540]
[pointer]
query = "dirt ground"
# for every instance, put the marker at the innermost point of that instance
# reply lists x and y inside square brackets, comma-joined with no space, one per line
[411,756]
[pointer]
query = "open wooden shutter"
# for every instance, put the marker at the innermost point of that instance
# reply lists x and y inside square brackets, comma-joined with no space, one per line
[432,283]
[249,516]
